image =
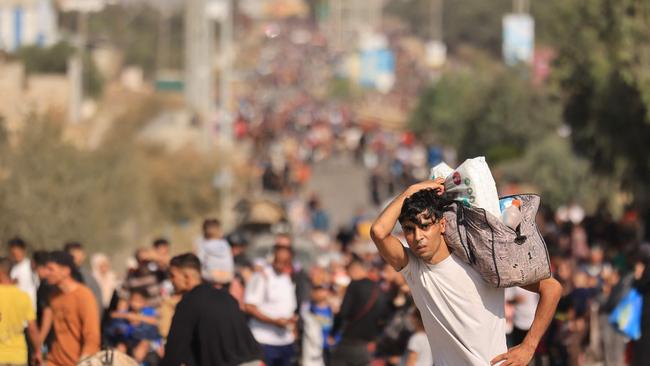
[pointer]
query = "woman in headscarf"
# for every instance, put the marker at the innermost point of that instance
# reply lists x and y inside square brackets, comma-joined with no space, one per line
[104,276]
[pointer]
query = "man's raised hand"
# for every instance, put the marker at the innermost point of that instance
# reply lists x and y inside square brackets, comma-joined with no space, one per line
[437,185]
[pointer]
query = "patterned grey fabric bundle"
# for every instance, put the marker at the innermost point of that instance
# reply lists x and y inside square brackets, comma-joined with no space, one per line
[108,358]
[504,257]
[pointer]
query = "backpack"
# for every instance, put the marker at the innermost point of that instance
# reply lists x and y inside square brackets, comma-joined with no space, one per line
[504,257]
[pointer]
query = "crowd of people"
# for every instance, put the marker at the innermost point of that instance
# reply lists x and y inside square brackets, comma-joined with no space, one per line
[290,121]
[345,305]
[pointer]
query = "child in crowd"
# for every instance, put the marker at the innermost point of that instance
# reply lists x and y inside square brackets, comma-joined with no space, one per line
[418,351]
[318,320]
[134,327]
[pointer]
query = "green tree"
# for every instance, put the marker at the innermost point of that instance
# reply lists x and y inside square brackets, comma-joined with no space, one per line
[485,109]
[53,192]
[602,65]
[52,59]
[558,173]
[134,29]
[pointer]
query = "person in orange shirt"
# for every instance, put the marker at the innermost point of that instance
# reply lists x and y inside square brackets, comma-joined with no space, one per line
[75,313]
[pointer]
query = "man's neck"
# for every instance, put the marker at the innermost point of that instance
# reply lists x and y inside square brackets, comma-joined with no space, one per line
[6,281]
[192,286]
[68,285]
[441,254]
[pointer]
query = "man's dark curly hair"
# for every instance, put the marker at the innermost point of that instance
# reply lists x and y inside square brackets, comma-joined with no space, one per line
[425,201]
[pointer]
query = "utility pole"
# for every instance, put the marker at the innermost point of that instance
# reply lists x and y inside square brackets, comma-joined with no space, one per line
[437,20]
[222,12]
[163,37]
[227,115]
[75,68]
[521,6]
[75,64]
[336,24]
[199,38]
[225,86]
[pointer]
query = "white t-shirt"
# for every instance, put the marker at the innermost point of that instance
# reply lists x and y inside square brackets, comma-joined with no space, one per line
[25,279]
[463,316]
[275,296]
[419,344]
[525,307]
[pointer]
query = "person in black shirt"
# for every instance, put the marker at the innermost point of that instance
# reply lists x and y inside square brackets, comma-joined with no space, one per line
[208,327]
[359,319]
[43,293]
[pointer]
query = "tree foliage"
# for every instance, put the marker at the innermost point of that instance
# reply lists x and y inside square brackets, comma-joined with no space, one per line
[603,58]
[135,29]
[119,193]
[558,173]
[52,59]
[53,192]
[485,109]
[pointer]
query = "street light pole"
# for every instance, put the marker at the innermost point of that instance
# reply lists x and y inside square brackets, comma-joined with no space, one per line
[75,66]
[520,6]
[436,20]
[225,90]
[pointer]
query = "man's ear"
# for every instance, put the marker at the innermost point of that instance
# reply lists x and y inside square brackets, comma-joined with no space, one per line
[187,277]
[443,225]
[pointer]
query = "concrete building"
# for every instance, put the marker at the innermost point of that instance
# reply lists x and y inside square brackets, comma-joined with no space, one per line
[27,22]
[23,95]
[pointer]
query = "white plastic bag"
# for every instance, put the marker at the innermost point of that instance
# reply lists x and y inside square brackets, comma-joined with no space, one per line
[441,170]
[471,183]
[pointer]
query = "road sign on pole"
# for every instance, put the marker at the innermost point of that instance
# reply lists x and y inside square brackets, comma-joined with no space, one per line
[518,38]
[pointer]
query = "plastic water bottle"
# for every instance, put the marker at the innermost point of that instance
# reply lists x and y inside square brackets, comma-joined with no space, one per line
[512,215]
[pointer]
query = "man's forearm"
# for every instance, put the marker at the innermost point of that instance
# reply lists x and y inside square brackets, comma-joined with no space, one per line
[386,221]
[549,295]
[46,324]
[34,336]
[253,311]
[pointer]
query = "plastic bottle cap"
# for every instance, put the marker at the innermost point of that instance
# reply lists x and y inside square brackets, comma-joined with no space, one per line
[516,203]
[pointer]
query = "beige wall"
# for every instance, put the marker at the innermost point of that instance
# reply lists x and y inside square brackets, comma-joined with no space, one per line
[21,95]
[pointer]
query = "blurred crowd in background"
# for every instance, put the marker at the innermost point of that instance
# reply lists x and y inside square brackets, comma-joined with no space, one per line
[567,118]
[345,290]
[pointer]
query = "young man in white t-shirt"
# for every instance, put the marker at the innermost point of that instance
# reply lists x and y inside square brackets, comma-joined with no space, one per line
[463,316]
[270,300]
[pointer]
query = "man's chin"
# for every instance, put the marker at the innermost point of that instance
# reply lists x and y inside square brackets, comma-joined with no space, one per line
[425,256]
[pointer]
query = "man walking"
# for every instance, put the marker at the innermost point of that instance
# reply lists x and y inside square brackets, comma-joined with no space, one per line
[74,310]
[21,271]
[81,273]
[463,316]
[270,300]
[16,310]
[208,327]
[364,304]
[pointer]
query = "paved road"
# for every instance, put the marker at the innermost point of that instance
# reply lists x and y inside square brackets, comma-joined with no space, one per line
[342,186]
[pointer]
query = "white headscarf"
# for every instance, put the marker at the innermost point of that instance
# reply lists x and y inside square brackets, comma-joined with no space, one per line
[107,281]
